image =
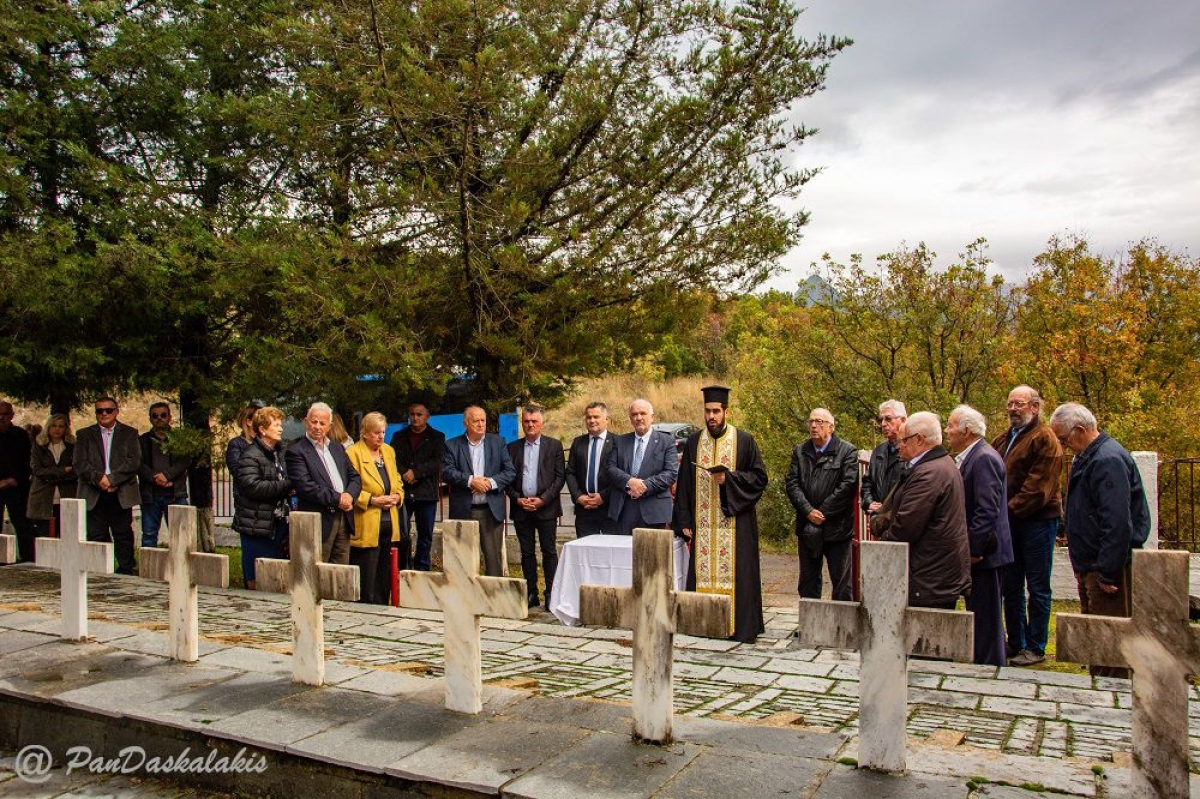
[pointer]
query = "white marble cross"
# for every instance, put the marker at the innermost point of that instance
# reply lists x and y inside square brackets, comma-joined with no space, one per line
[654,612]
[74,556]
[309,581]
[463,596]
[8,549]
[1162,648]
[183,568]
[885,631]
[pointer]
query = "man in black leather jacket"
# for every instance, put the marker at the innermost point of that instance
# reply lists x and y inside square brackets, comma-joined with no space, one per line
[820,485]
[884,468]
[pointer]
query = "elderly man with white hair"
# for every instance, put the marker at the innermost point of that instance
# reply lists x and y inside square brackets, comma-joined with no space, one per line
[928,512]
[885,467]
[820,484]
[1107,516]
[983,476]
[325,482]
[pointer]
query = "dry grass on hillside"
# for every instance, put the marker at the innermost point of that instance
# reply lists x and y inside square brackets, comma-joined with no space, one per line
[676,400]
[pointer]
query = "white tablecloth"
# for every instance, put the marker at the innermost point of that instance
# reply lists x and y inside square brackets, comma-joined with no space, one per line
[600,560]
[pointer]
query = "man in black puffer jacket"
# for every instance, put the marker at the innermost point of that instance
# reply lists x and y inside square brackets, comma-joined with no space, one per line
[821,485]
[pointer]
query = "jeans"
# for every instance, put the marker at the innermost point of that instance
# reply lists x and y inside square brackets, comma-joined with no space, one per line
[424,511]
[1028,627]
[153,513]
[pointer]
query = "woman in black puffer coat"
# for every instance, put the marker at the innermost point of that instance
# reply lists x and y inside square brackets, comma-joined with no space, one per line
[260,515]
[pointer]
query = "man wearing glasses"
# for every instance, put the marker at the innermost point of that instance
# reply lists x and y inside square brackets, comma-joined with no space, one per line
[162,476]
[107,458]
[820,484]
[885,467]
[1033,460]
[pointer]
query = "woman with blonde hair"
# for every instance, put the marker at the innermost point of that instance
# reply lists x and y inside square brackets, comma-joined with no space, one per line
[53,473]
[339,433]
[377,510]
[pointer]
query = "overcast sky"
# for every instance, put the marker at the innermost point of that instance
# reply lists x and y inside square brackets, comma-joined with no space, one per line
[1008,119]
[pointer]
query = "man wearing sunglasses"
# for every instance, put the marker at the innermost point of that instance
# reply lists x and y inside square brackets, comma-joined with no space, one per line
[162,475]
[107,458]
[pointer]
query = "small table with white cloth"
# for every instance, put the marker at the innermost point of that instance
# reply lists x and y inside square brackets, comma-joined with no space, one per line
[600,560]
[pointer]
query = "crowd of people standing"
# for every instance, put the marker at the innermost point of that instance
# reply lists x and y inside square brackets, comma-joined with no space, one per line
[981,518]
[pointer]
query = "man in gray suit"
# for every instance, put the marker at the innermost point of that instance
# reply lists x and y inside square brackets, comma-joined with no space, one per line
[642,469]
[478,469]
[107,457]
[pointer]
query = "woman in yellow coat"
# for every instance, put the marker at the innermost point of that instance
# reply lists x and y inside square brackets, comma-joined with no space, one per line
[377,510]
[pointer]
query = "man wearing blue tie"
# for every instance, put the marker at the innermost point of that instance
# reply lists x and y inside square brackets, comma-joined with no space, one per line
[642,469]
[587,473]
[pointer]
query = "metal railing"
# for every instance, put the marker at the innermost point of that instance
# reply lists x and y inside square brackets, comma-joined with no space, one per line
[1178,496]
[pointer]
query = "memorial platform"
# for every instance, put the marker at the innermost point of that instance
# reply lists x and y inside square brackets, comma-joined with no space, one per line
[757,720]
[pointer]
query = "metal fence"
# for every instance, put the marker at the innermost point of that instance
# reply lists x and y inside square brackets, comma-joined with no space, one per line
[1178,495]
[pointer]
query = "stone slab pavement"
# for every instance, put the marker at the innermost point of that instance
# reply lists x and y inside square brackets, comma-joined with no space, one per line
[781,572]
[1010,725]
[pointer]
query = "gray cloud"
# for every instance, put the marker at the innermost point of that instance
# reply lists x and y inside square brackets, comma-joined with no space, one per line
[1013,120]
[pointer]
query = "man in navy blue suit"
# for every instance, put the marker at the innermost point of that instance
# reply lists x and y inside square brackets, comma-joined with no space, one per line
[478,469]
[642,469]
[983,477]
[325,482]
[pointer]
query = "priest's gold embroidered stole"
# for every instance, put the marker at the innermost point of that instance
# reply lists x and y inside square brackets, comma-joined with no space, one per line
[715,535]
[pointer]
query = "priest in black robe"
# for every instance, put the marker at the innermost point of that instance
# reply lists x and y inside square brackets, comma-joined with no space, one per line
[721,479]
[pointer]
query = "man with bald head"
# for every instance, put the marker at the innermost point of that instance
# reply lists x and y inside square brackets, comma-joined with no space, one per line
[1033,460]
[641,470]
[820,484]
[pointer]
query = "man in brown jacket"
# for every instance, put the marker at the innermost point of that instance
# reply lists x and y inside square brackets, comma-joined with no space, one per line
[1033,460]
[930,516]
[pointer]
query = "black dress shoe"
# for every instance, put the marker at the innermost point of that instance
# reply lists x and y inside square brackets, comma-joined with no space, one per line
[533,602]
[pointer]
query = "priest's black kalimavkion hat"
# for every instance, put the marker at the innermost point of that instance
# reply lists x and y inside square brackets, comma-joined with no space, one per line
[716,394]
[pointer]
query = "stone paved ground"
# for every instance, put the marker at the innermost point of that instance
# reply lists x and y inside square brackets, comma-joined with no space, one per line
[1008,711]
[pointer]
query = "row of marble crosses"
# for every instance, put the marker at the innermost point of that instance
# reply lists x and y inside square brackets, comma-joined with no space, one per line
[1158,643]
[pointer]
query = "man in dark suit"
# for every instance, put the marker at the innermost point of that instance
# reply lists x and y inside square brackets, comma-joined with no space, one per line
[534,504]
[325,482]
[477,468]
[642,469]
[107,458]
[15,476]
[983,477]
[929,514]
[419,450]
[587,475]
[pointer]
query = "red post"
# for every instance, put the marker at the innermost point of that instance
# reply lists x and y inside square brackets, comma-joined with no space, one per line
[395,577]
[860,532]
